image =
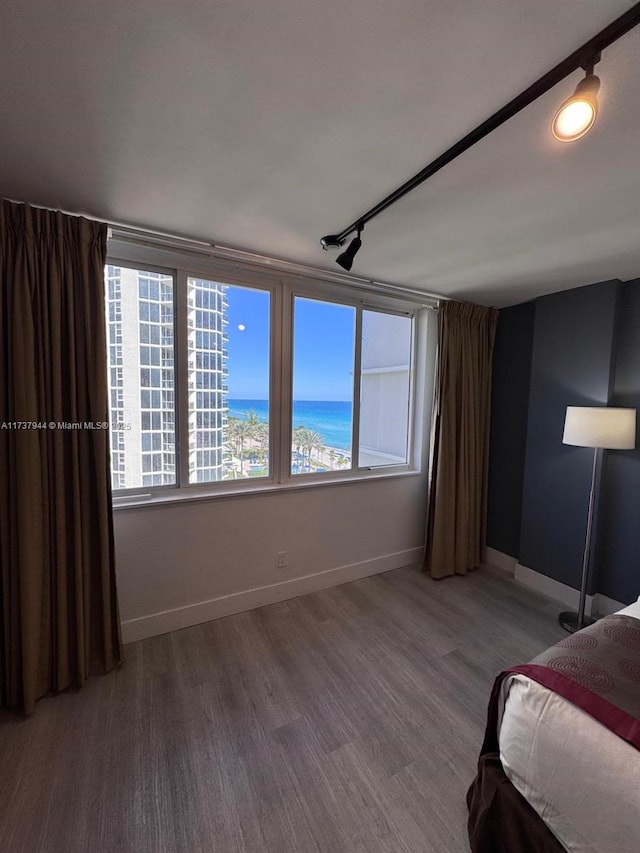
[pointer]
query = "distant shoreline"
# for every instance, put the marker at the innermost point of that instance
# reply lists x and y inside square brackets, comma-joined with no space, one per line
[251,453]
[331,419]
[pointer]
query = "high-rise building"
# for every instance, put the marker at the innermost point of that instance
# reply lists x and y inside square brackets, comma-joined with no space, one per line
[208,405]
[140,334]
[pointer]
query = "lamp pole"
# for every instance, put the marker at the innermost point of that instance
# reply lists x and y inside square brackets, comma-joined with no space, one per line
[596,427]
[575,621]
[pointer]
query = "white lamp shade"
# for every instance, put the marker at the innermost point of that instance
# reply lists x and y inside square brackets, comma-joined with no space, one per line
[613,429]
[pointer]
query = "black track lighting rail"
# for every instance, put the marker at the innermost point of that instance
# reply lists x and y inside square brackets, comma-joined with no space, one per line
[584,57]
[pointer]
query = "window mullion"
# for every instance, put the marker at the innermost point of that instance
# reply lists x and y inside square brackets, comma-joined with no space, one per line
[182,379]
[411,413]
[357,361]
[283,347]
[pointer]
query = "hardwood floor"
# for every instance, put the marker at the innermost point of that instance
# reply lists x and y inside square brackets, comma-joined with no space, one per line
[345,720]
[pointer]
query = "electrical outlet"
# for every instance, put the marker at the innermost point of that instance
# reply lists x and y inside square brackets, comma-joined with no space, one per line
[282,559]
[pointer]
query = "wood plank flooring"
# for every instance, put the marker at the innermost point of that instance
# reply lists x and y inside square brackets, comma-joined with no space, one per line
[345,721]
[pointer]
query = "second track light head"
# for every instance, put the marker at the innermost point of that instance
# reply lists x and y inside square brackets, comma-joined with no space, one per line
[345,260]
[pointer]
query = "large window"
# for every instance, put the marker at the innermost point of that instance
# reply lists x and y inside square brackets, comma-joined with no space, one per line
[332,414]
[228,375]
[220,383]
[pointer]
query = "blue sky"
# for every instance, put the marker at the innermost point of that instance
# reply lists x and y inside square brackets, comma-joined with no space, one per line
[323,341]
[248,349]
[323,348]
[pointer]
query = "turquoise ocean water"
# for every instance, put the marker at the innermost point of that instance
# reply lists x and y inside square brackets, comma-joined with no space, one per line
[332,419]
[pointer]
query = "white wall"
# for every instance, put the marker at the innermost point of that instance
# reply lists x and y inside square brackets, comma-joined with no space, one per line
[184,563]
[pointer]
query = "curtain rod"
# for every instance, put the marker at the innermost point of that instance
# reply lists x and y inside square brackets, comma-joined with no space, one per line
[580,58]
[150,237]
[130,234]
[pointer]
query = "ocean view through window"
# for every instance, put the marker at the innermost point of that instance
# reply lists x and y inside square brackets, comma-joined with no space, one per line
[331,419]
[211,380]
[323,370]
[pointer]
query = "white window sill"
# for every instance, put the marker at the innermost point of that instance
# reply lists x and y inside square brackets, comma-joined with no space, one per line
[161,497]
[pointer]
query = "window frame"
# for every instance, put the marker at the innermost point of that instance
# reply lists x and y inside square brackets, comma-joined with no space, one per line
[283,289]
[144,266]
[411,403]
[181,334]
[356,471]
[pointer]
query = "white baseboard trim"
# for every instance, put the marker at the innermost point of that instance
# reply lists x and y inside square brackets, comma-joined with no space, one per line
[548,586]
[500,560]
[604,606]
[595,604]
[226,605]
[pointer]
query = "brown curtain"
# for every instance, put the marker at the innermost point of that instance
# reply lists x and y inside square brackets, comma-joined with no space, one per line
[460,446]
[59,614]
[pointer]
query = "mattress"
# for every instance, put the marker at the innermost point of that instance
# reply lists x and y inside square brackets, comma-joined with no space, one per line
[583,780]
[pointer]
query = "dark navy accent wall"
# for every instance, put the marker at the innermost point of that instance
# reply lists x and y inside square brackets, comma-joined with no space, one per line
[584,350]
[618,569]
[571,366]
[508,436]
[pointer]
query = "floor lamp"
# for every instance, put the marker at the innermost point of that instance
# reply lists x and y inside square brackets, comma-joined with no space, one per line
[599,428]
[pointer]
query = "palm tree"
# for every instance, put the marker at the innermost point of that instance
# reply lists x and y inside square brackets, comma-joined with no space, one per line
[238,432]
[232,435]
[252,418]
[314,442]
[306,441]
[298,438]
[261,434]
[233,441]
[244,432]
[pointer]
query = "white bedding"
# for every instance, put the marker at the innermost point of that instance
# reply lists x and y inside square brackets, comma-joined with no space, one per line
[583,780]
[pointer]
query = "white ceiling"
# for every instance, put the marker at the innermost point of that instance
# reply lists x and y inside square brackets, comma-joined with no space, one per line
[265,125]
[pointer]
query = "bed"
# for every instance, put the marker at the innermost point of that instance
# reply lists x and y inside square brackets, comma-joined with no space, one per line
[551,776]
